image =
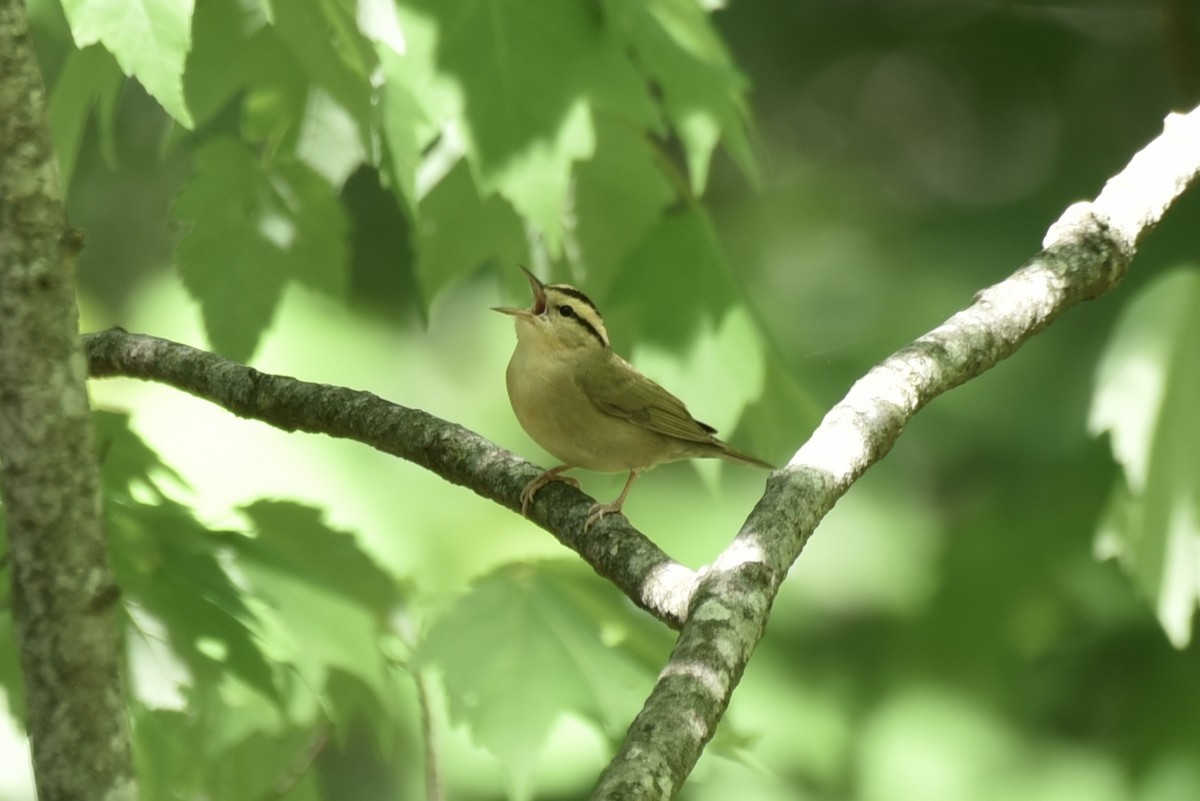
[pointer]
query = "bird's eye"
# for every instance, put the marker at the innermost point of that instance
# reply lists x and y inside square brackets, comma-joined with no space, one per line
[566,311]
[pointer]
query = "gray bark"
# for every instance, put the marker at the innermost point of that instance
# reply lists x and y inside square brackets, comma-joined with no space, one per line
[64,599]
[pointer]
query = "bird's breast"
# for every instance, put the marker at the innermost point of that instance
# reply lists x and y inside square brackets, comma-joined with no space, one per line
[559,416]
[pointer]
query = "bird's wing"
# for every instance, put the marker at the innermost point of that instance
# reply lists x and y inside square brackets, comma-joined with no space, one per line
[617,388]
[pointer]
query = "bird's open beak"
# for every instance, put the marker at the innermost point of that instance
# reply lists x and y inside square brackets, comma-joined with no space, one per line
[539,299]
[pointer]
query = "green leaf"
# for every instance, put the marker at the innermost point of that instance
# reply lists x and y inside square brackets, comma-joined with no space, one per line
[406,127]
[1145,399]
[263,766]
[181,755]
[620,197]
[293,540]
[702,93]
[232,50]
[721,372]
[419,104]
[252,228]
[90,78]
[529,72]
[168,753]
[150,39]
[168,568]
[274,105]
[681,250]
[379,22]
[538,182]
[331,604]
[457,232]
[319,256]
[325,39]
[231,259]
[126,461]
[529,643]
[306,80]
[166,564]
[782,415]
[499,54]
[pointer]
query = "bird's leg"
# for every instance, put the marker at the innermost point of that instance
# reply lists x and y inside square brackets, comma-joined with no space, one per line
[599,510]
[553,474]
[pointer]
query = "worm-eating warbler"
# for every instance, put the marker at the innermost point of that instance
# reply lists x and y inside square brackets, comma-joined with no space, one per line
[589,407]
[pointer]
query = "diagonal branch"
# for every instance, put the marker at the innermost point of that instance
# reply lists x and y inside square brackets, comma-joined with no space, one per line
[1085,255]
[726,606]
[615,549]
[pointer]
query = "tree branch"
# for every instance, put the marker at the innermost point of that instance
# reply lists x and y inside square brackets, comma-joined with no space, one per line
[1085,255]
[614,548]
[64,598]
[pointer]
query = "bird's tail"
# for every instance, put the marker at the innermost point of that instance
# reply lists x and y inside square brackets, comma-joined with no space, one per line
[727,451]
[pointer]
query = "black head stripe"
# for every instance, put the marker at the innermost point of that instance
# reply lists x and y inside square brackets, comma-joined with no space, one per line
[572,292]
[591,329]
[581,300]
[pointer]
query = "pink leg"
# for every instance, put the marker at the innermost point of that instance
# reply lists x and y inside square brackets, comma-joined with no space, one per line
[598,511]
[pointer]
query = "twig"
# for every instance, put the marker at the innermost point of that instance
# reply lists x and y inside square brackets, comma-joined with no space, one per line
[301,764]
[433,779]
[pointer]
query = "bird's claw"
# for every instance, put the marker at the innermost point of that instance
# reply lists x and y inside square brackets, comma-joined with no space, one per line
[545,478]
[599,510]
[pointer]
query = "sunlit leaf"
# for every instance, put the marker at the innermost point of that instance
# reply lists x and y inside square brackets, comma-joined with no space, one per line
[729,358]
[318,257]
[538,182]
[523,647]
[620,195]
[680,52]
[325,39]
[253,227]
[166,563]
[498,54]
[406,127]
[1145,399]
[718,377]
[418,104]
[331,601]
[150,39]
[126,461]
[780,419]
[457,232]
[528,73]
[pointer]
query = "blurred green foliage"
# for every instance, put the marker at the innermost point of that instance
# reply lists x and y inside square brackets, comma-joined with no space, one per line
[339,190]
[1146,390]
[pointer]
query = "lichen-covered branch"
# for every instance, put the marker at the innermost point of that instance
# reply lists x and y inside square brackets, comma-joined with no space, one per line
[615,549]
[64,598]
[1085,255]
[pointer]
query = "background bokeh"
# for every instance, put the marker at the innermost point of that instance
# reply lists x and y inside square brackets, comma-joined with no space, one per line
[948,633]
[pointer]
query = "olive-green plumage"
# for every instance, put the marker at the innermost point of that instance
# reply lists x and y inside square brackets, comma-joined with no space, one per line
[589,407]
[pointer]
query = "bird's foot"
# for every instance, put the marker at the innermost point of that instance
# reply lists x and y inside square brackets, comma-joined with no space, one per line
[553,474]
[599,510]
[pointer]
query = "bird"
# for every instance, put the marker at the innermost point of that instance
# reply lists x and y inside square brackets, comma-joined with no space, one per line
[587,406]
